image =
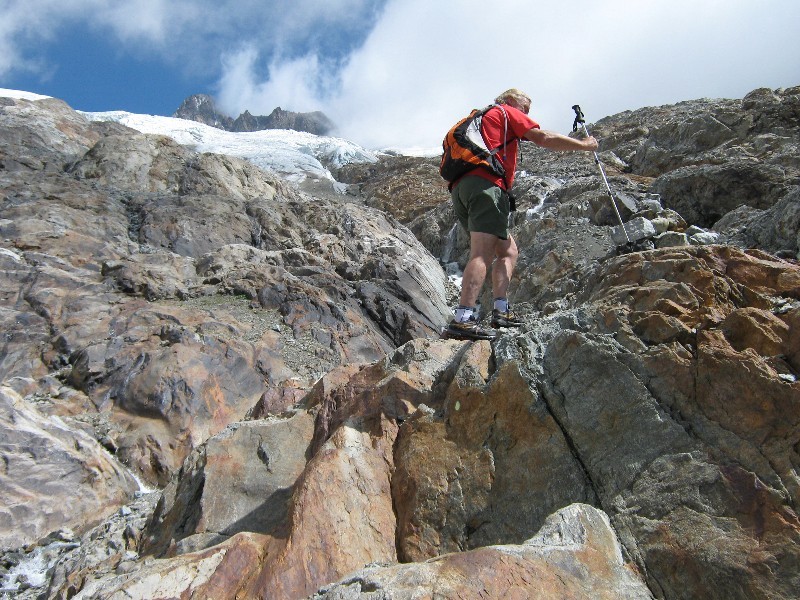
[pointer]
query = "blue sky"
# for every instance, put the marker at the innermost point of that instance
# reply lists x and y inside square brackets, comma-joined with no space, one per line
[96,75]
[396,72]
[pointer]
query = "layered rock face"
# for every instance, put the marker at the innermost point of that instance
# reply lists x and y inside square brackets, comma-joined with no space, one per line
[268,363]
[169,294]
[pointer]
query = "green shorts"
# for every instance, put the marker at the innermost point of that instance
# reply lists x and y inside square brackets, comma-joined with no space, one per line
[481,206]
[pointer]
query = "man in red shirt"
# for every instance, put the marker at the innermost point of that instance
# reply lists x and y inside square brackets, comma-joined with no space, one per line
[481,203]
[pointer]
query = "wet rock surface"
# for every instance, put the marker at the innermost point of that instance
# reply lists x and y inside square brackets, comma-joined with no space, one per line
[267,364]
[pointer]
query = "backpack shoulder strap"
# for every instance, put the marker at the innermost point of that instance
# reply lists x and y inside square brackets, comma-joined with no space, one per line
[505,126]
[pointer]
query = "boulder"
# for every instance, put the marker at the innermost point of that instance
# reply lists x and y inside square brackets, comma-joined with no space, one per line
[61,135]
[775,229]
[239,480]
[704,194]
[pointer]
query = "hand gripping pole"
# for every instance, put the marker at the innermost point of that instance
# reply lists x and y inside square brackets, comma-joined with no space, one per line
[580,120]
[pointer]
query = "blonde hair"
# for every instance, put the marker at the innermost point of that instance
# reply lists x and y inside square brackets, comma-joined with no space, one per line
[518,96]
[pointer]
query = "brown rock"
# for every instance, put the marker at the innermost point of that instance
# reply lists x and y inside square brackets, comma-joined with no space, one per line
[439,488]
[758,329]
[341,518]
[575,555]
[391,388]
[219,573]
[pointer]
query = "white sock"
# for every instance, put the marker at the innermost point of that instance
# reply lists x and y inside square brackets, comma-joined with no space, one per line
[463,313]
[501,304]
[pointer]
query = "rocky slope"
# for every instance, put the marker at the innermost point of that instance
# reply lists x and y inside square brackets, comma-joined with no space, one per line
[217,386]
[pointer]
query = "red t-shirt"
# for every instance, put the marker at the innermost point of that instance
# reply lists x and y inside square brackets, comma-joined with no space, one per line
[492,127]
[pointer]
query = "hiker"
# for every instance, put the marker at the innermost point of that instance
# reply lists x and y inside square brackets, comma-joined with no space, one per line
[482,204]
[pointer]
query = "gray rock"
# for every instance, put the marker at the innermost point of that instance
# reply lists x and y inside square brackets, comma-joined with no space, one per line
[61,135]
[240,480]
[703,238]
[635,230]
[776,229]
[55,475]
[703,194]
[671,239]
[138,222]
[202,108]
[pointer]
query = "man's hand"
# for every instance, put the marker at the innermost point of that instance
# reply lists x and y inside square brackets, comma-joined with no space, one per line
[557,141]
[590,143]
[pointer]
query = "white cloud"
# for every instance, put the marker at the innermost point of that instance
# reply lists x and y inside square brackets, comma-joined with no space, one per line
[426,64]
[292,84]
[303,19]
[26,26]
[141,20]
[192,34]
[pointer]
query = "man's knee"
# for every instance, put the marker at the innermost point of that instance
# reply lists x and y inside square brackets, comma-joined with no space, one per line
[507,250]
[511,253]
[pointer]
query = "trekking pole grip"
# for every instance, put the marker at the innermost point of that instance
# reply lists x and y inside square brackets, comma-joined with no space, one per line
[579,118]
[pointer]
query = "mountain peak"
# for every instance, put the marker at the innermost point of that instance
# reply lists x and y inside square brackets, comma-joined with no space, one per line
[203,109]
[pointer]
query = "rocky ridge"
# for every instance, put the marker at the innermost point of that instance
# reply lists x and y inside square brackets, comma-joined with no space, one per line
[278,386]
[203,109]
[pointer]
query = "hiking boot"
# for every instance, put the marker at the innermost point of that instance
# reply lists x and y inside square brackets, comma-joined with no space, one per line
[468,330]
[506,319]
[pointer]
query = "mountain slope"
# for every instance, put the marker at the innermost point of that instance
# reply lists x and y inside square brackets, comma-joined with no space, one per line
[267,363]
[295,155]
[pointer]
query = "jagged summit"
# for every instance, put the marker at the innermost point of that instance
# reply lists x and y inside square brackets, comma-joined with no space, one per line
[203,109]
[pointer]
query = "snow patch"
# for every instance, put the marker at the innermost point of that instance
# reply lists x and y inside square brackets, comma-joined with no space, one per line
[296,155]
[20,95]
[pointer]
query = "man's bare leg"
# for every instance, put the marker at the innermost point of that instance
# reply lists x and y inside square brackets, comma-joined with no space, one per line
[506,254]
[481,255]
[486,249]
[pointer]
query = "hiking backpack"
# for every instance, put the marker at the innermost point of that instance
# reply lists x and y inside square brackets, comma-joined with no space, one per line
[464,148]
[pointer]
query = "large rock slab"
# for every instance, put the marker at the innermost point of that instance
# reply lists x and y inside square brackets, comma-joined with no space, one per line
[704,194]
[480,473]
[61,134]
[776,229]
[340,519]
[574,555]
[215,573]
[176,291]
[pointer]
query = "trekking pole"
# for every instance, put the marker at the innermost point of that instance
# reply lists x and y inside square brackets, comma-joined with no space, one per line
[580,120]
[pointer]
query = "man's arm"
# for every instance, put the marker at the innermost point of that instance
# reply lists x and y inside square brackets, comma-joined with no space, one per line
[556,141]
